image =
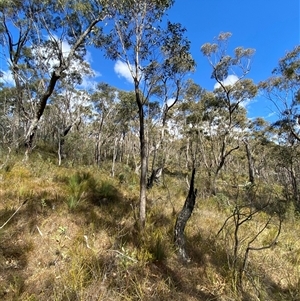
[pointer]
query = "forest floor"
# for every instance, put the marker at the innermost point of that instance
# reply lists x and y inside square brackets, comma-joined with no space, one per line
[75,237]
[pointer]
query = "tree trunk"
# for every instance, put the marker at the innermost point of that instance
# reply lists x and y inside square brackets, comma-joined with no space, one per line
[98,147]
[114,158]
[40,110]
[187,153]
[64,65]
[144,161]
[250,162]
[182,219]
[294,186]
[155,176]
[61,142]
[59,151]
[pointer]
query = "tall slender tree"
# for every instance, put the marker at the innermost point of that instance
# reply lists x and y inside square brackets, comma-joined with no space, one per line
[232,89]
[283,90]
[152,55]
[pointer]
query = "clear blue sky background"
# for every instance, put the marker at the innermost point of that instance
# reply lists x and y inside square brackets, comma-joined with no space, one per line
[272,27]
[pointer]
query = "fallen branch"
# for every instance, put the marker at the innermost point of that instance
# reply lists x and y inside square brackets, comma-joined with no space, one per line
[14,214]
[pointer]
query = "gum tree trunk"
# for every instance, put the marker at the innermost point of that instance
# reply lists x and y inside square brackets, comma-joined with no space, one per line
[144,166]
[250,162]
[182,219]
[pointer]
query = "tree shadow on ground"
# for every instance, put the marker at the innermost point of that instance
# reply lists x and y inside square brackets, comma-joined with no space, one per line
[184,282]
[106,208]
[209,252]
[13,257]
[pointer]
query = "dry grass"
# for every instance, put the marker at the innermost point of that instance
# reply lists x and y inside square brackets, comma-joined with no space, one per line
[92,250]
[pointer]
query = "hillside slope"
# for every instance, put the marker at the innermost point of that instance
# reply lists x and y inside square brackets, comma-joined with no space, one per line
[76,238]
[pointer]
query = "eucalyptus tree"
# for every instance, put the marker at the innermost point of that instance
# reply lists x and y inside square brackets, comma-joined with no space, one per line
[114,124]
[152,55]
[104,101]
[68,107]
[259,148]
[13,19]
[189,121]
[126,119]
[171,83]
[283,90]
[231,91]
[42,40]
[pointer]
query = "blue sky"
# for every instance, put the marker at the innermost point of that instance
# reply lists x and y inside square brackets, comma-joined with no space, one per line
[270,27]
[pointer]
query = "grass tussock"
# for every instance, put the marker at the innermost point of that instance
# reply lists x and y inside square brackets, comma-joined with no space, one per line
[75,237]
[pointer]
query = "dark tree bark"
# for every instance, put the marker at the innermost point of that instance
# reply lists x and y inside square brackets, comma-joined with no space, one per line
[250,162]
[143,156]
[40,109]
[182,219]
[154,178]
[64,64]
